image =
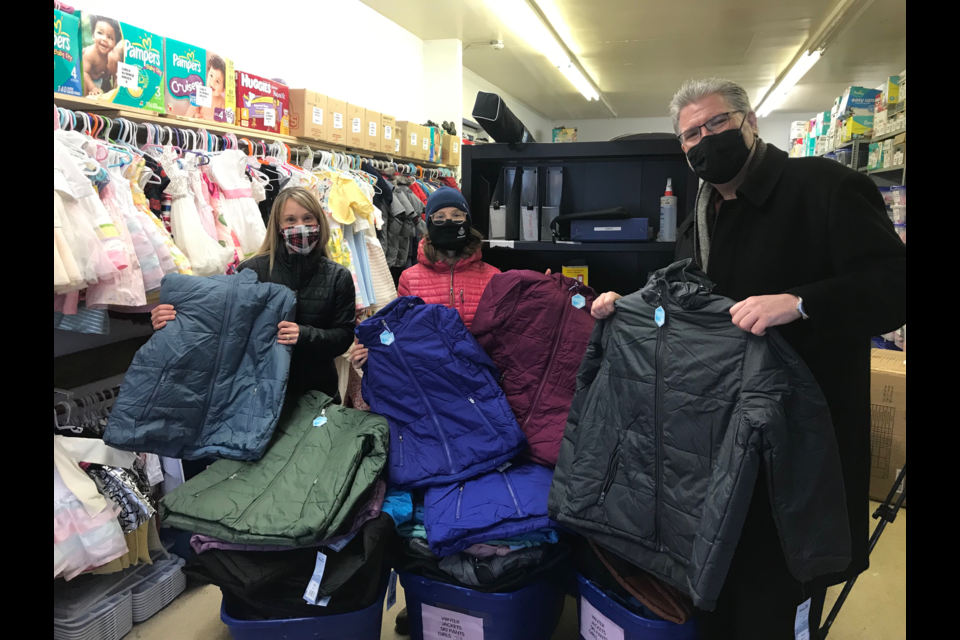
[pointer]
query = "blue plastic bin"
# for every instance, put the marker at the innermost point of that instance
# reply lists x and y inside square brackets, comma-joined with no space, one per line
[635,627]
[362,625]
[529,614]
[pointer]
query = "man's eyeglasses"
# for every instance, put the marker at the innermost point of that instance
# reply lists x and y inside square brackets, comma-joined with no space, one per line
[440,219]
[716,124]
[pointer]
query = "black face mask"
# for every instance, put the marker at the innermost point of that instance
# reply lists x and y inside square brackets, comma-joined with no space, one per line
[720,157]
[450,237]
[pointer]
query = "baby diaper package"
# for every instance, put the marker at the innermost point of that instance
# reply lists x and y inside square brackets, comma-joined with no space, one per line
[66,54]
[263,104]
[122,64]
[197,83]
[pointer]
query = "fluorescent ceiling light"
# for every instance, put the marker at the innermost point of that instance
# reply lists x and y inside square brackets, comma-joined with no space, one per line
[778,94]
[522,19]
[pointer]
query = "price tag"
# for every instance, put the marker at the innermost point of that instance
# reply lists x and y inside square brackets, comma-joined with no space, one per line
[357,125]
[372,130]
[338,121]
[579,302]
[596,626]
[440,624]
[388,133]
[387,338]
[392,591]
[313,589]
[660,316]
[504,466]
[801,626]
[128,76]
[340,546]
[269,118]
[318,116]
[319,422]
[204,97]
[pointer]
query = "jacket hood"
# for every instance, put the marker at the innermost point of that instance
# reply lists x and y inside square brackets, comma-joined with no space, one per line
[682,282]
[461,265]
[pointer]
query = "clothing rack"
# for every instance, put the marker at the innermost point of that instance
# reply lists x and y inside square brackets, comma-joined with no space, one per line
[83,403]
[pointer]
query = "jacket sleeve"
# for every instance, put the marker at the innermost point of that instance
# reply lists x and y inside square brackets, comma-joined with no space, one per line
[498,302]
[867,296]
[403,289]
[333,342]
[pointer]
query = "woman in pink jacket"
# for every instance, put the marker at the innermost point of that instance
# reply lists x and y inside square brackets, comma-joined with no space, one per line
[450,270]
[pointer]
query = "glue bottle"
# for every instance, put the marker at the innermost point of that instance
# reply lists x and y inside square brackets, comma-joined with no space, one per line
[668,215]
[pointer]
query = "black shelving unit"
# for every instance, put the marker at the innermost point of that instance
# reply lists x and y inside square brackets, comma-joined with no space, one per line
[597,175]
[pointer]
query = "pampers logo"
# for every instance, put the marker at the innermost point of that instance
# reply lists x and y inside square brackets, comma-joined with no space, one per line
[144,51]
[61,40]
[252,83]
[187,62]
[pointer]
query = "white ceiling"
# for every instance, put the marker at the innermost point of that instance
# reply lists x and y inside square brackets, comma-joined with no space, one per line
[640,51]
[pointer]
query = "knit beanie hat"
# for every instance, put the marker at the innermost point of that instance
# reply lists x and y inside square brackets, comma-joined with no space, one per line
[447,197]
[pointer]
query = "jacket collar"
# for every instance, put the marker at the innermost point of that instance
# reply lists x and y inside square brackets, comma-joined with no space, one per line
[764,176]
[682,282]
[394,312]
[443,267]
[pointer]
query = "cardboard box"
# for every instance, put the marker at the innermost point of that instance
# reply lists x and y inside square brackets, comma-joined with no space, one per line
[139,54]
[565,134]
[373,139]
[308,114]
[858,101]
[67,54]
[337,124]
[888,427]
[199,83]
[451,150]
[798,129]
[432,149]
[388,134]
[356,116]
[822,126]
[399,138]
[857,127]
[580,274]
[263,104]
[410,147]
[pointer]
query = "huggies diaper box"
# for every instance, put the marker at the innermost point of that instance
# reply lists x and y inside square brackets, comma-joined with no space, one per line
[121,63]
[200,84]
[263,104]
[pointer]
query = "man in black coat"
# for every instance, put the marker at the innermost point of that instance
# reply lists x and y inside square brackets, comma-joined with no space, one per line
[803,245]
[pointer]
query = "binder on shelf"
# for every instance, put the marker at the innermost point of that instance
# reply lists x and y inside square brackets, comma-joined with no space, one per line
[530,206]
[554,196]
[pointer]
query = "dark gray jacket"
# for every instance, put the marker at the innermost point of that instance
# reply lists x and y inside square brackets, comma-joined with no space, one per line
[670,427]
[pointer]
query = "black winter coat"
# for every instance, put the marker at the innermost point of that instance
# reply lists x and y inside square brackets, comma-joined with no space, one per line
[326,313]
[671,425]
[815,229]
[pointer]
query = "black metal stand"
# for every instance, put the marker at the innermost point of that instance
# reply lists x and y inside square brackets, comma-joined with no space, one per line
[886,514]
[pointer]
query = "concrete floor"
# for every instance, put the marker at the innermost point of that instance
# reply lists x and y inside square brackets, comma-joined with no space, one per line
[876,610]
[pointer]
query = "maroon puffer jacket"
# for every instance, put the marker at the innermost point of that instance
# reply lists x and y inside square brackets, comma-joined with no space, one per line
[528,325]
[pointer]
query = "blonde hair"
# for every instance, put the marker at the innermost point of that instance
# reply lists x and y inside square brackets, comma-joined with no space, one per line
[273,242]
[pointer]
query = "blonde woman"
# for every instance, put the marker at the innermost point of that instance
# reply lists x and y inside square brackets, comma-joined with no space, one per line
[294,254]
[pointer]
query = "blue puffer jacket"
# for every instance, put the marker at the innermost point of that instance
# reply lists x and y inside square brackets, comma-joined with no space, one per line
[497,506]
[449,420]
[212,382]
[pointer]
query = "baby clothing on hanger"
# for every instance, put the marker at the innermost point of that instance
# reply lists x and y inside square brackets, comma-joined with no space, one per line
[238,207]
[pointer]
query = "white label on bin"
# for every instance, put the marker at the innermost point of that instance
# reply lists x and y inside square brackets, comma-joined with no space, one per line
[456,147]
[372,129]
[128,76]
[387,132]
[338,121]
[318,116]
[596,626]
[608,228]
[440,624]
[357,125]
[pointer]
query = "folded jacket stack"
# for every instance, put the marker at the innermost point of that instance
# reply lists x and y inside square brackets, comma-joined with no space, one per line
[260,525]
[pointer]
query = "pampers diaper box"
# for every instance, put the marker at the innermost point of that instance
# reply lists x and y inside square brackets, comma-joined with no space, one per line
[122,64]
[263,104]
[200,84]
[66,54]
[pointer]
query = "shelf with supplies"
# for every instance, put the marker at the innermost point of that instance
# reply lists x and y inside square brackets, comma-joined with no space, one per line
[143,116]
[888,136]
[584,247]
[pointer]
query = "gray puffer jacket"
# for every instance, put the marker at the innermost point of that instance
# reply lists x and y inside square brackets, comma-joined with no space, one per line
[671,425]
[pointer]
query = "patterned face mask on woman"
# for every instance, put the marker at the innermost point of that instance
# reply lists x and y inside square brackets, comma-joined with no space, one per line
[301,239]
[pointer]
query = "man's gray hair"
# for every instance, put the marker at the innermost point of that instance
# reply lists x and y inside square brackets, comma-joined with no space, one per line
[696,90]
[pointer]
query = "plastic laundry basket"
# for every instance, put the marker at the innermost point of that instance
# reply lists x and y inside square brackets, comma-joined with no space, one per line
[606,618]
[448,611]
[362,625]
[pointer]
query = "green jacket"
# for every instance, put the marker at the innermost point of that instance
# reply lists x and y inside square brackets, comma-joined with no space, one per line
[305,490]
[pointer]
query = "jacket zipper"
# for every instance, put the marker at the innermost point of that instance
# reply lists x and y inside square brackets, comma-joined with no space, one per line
[463,304]
[612,468]
[659,427]
[513,494]
[153,396]
[426,402]
[231,294]
[453,300]
[543,380]
[481,414]
[303,441]
[215,485]
[460,501]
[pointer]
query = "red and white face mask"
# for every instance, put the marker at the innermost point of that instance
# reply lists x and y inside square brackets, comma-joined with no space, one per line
[301,239]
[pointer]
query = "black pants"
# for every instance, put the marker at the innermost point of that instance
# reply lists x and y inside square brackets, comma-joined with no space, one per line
[759,599]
